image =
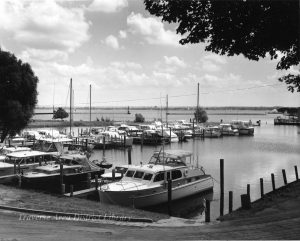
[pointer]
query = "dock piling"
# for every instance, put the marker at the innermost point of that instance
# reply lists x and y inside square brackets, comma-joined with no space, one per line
[296,173]
[273,181]
[245,201]
[284,177]
[230,201]
[221,187]
[96,182]
[248,191]
[62,189]
[15,168]
[103,145]
[261,187]
[129,156]
[170,197]
[88,180]
[207,211]
[71,190]
[113,174]
[19,181]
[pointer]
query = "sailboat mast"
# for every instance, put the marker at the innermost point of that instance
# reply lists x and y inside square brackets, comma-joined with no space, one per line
[71,93]
[90,108]
[167,110]
[197,105]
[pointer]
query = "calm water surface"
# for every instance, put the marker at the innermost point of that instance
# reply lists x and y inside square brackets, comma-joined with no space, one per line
[246,160]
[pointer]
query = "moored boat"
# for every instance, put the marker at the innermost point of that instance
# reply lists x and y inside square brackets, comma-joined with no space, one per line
[145,185]
[212,132]
[244,127]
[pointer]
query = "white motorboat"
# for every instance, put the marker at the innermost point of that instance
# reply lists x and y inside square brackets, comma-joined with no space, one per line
[228,130]
[244,127]
[212,132]
[146,185]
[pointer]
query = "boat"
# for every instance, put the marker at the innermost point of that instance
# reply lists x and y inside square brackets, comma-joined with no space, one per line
[212,132]
[244,127]
[103,164]
[228,130]
[9,149]
[75,168]
[145,185]
[23,161]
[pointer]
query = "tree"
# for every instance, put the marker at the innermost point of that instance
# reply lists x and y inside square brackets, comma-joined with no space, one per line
[18,94]
[254,28]
[139,118]
[60,113]
[200,115]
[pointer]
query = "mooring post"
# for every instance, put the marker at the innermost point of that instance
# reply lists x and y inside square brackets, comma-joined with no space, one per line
[207,211]
[296,173]
[19,168]
[103,145]
[284,177]
[230,201]
[124,140]
[193,128]
[221,187]
[170,134]
[15,168]
[113,177]
[170,197]
[261,187]
[129,156]
[71,190]
[62,189]
[86,144]
[142,140]
[273,181]
[245,201]
[61,168]
[248,191]
[96,182]
[40,162]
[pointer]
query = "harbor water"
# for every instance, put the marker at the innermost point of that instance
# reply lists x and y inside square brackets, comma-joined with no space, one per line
[246,159]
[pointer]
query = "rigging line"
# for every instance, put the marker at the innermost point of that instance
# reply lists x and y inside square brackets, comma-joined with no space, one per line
[177,96]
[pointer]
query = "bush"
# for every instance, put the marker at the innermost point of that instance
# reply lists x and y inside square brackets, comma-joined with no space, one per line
[139,118]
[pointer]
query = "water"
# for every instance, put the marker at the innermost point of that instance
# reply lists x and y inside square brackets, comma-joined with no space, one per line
[246,159]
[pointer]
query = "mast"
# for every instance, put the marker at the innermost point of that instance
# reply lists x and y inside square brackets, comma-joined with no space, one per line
[71,94]
[167,109]
[90,108]
[197,104]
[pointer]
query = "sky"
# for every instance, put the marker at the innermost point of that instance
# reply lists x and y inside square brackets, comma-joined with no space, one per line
[129,57]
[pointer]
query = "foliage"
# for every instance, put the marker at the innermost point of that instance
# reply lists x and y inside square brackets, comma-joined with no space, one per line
[139,118]
[292,111]
[18,94]
[200,115]
[255,29]
[60,113]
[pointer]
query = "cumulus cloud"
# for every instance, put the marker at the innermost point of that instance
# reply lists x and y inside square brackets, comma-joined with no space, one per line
[43,25]
[213,62]
[122,34]
[112,42]
[107,6]
[122,65]
[152,30]
[174,60]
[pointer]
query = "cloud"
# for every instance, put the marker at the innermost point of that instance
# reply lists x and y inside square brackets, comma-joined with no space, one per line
[43,25]
[174,60]
[112,42]
[152,30]
[122,65]
[122,34]
[107,6]
[213,62]
[43,55]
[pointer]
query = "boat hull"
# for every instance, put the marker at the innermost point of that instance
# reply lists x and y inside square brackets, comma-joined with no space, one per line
[155,195]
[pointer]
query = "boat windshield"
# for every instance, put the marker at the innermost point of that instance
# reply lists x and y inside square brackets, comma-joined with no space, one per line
[138,174]
[129,173]
[148,176]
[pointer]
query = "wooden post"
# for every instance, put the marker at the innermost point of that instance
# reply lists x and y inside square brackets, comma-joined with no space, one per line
[221,187]
[230,201]
[296,173]
[142,140]
[62,189]
[113,175]
[273,181]
[193,127]
[245,201]
[103,145]
[19,168]
[284,177]
[207,211]
[15,168]
[88,180]
[124,140]
[170,197]
[261,187]
[129,156]
[71,190]
[96,182]
[40,161]
[170,135]
[248,191]
[86,143]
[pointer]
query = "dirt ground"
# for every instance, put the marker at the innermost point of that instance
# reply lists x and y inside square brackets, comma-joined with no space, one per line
[275,217]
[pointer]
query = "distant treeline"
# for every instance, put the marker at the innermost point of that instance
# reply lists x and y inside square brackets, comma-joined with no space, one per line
[263,108]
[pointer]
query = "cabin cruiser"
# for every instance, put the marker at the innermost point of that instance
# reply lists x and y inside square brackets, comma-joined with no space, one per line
[244,127]
[212,131]
[228,130]
[9,149]
[75,168]
[146,185]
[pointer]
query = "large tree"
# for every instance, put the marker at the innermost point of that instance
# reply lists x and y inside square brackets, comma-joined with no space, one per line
[254,28]
[200,115]
[18,94]
[60,113]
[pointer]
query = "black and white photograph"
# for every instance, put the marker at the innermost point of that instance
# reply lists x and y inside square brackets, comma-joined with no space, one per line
[149,120]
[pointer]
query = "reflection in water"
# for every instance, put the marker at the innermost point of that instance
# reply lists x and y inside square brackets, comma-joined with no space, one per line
[188,207]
